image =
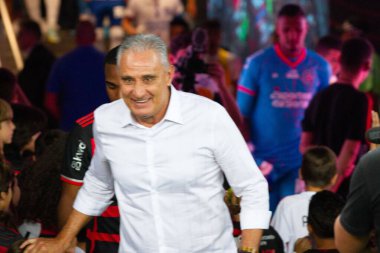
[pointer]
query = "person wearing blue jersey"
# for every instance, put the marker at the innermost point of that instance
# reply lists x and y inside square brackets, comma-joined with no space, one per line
[275,87]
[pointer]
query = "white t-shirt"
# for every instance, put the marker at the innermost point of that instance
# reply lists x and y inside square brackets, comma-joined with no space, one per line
[290,218]
[154,16]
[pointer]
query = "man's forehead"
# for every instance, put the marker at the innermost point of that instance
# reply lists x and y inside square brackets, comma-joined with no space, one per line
[144,59]
[296,20]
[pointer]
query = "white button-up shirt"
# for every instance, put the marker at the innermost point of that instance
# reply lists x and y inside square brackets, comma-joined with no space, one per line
[168,178]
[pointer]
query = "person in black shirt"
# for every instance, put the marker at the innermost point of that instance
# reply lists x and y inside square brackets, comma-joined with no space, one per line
[338,116]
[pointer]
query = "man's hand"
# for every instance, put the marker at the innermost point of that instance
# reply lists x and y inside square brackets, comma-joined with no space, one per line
[48,245]
[302,244]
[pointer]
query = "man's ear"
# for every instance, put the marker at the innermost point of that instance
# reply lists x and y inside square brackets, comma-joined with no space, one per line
[309,229]
[367,65]
[171,74]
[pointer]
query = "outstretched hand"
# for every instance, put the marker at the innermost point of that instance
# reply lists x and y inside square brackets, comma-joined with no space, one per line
[47,245]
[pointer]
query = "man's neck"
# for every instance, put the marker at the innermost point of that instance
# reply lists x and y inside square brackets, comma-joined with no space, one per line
[323,243]
[349,78]
[310,188]
[291,54]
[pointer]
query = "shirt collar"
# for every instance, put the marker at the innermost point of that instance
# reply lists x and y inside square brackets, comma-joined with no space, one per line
[173,113]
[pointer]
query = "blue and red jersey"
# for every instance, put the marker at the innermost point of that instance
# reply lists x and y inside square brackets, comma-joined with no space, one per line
[273,93]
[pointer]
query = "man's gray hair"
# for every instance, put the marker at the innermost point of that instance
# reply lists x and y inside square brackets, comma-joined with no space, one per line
[144,42]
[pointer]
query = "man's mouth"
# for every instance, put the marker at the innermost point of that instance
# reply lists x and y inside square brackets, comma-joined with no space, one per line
[141,101]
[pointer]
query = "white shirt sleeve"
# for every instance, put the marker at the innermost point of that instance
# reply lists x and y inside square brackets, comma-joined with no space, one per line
[242,173]
[98,188]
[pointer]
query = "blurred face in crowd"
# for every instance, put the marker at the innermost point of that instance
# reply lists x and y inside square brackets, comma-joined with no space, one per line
[291,32]
[145,83]
[332,57]
[112,82]
[7,128]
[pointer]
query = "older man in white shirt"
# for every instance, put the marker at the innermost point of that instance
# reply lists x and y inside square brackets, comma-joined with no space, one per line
[163,153]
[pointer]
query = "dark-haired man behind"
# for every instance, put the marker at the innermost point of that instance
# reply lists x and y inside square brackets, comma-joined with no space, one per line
[102,233]
[338,116]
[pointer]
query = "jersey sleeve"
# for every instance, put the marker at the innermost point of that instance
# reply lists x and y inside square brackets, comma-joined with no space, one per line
[324,73]
[78,155]
[247,86]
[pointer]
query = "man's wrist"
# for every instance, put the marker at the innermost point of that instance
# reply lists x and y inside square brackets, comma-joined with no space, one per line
[247,250]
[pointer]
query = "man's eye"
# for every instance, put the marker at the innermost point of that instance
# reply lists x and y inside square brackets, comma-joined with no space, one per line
[148,79]
[111,86]
[128,80]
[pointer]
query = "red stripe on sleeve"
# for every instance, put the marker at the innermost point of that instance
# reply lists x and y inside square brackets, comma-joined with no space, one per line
[246,90]
[66,180]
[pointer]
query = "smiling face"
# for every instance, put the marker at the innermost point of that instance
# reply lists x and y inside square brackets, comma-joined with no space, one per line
[145,83]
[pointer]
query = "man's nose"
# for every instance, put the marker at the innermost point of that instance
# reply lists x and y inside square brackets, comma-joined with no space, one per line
[139,90]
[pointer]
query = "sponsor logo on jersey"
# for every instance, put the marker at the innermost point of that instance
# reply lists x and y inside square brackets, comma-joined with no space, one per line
[286,99]
[292,74]
[76,163]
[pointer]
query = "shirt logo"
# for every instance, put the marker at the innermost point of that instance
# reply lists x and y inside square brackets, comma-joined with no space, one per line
[308,77]
[274,75]
[76,163]
[292,74]
[287,99]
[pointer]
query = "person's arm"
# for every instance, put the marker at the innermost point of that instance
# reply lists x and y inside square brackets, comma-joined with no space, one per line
[306,141]
[130,15]
[51,104]
[191,8]
[246,180]
[77,159]
[65,206]
[346,160]
[63,241]
[217,73]
[346,242]
[250,239]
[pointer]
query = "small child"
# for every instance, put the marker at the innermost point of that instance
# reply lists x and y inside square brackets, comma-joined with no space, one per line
[6,126]
[318,170]
[324,208]
[8,230]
